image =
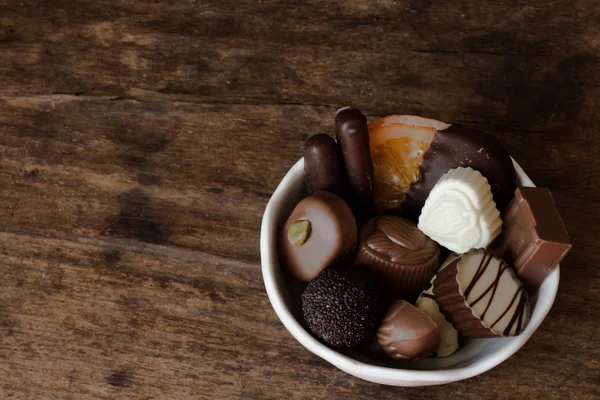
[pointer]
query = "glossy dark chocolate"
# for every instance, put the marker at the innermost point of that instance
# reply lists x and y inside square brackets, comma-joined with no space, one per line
[403,258]
[459,146]
[407,333]
[323,166]
[332,235]
[480,294]
[353,138]
[533,239]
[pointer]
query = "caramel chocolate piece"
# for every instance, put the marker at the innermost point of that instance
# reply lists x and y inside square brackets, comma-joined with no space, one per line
[534,239]
[481,296]
[353,138]
[407,333]
[320,231]
[323,166]
[403,258]
[459,146]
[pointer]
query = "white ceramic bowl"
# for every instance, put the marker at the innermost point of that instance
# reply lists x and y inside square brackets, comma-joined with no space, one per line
[476,357]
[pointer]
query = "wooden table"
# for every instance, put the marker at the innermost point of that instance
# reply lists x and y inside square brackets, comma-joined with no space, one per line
[141,140]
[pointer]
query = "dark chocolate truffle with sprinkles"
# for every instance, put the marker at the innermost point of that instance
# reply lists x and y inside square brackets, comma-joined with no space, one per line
[343,306]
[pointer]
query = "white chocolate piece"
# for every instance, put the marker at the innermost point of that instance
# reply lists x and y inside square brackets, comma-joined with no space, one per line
[460,213]
[426,303]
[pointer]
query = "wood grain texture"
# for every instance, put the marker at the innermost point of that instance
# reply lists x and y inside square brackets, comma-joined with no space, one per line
[140,142]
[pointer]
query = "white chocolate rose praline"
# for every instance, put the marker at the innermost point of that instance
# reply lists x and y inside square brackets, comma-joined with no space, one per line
[460,213]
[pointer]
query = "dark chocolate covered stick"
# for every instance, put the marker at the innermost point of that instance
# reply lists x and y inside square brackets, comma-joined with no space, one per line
[342,306]
[407,333]
[534,238]
[323,166]
[353,138]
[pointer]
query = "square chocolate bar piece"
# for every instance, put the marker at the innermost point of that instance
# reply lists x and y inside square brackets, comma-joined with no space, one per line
[533,239]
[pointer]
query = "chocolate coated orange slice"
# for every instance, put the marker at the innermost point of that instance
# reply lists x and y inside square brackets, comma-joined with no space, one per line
[398,143]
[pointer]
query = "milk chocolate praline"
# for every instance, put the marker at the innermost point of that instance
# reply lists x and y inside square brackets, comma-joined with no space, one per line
[320,231]
[403,258]
[407,333]
[534,238]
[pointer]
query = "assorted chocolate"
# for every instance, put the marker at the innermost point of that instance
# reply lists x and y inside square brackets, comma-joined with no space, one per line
[450,184]
[323,166]
[403,258]
[460,213]
[342,306]
[320,231]
[534,239]
[481,295]
[410,155]
[459,146]
[398,144]
[407,333]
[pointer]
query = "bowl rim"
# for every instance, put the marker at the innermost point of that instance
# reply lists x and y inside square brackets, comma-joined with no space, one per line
[389,375]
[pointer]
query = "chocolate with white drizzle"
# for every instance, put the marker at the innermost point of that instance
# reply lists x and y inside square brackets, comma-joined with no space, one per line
[482,297]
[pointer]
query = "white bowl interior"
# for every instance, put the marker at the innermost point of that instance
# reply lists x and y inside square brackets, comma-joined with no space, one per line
[475,357]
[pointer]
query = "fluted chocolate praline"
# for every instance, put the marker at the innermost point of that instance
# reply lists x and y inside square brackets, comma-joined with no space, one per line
[407,333]
[403,258]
